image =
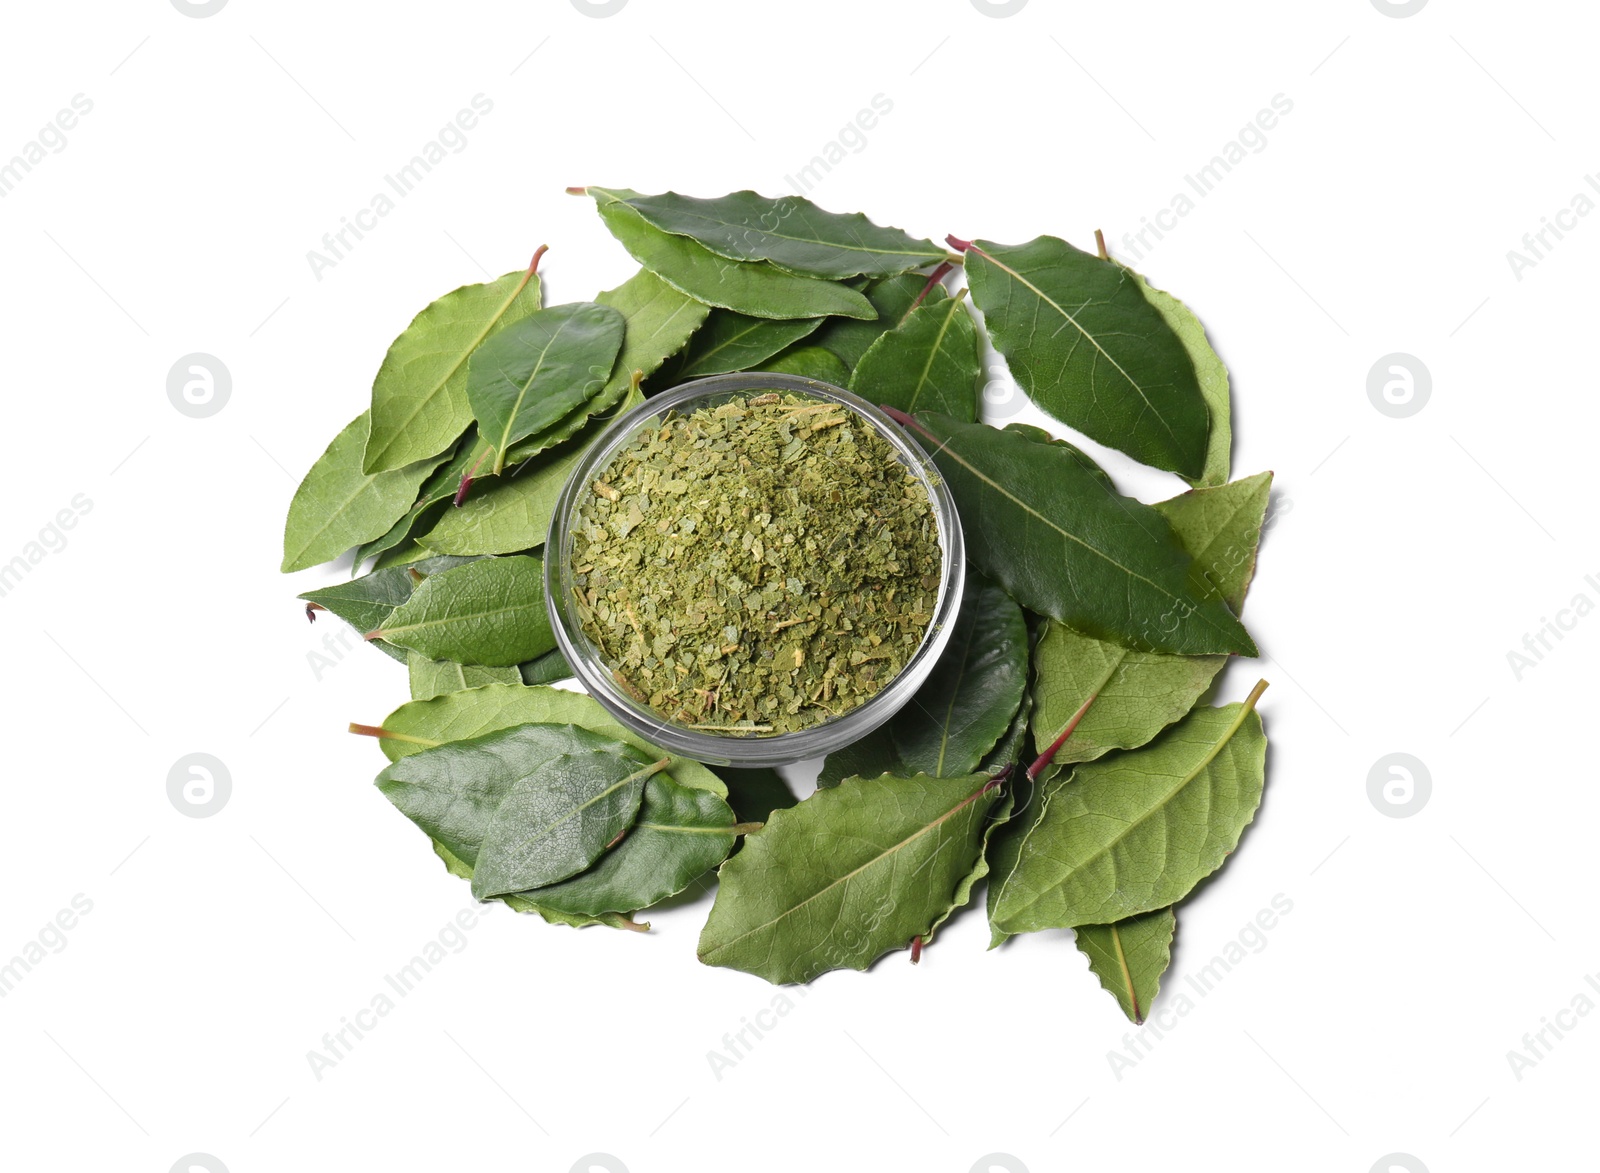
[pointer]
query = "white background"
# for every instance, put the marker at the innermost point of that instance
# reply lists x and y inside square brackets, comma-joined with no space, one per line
[1408,557]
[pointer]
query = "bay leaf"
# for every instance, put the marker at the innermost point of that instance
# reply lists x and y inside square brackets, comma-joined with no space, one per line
[1212,375]
[1091,350]
[969,699]
[439,488]
[846,876]
[421,725]
[489,612]
[511,512]
[431,678]
[681,834]
[929,362]
[1140,693]
[1136,831]
[367,602]
[558,819]
[1064,544]
[523,806]
[757,289]
[545,669]
[810,362]
[892,297]
[338,506]
[532,375]
[790,232]
[735,342]
[1129,956]
[419,398]
[519,903]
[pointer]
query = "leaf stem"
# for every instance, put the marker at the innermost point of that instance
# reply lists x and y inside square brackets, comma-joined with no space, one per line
[1100,243]
[916,949]
[958,244]
[746,828]
[1042,762]
[933,279]
[311,611]
[390,735]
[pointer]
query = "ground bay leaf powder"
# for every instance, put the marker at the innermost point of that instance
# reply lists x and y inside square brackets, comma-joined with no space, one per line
[757,567]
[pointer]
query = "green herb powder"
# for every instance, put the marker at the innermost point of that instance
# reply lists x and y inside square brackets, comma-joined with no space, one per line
[757,567]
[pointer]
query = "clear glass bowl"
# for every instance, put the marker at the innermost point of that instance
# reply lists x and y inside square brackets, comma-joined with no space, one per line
[755,749]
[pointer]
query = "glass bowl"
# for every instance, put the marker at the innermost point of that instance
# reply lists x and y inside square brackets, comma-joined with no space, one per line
[754,749]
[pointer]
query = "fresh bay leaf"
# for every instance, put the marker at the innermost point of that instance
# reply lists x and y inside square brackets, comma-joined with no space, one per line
[338,506]
[519,903]
[660,322]
[1014,743]
[681,834]
[532,375]
[892,297]
[930,362]
[1140,693]
[457,716]
[511,512]
[545,669]
[1211,373]
[489,612]
[440,487]
[1221,529]
[810,362]
[753,288]
[419,398]
[1129,956]
[1136,831]
[999,813]
[1064,544]
[790,232]
[431,678]
[1091,350]
[525,806]
[968,702]
[1003,848]
[558,819]
[367,602]
[735,342]
[846,876]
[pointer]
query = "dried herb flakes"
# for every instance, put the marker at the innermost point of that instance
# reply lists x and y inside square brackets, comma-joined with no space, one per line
[760,566]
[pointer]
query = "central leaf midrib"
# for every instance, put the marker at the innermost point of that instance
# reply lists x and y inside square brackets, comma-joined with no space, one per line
[848,876]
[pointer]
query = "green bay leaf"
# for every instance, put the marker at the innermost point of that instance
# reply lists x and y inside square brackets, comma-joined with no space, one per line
[847,875]
[534,374]
[929,362]
[1063,543]
[892,297]
[1091,350]
[790,232]
[1211,373]
[338,506]
[736,342]
[367,602]
[431,678]
[1136,831]
[1129,956]
[810,362]
[489,612]
[419,398]
[1137,694]
[456,716]
[754,288]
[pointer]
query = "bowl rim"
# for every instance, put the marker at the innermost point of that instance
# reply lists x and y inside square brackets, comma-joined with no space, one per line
[755,750]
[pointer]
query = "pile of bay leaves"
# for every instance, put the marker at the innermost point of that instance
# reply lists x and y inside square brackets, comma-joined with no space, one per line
[1065,747]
